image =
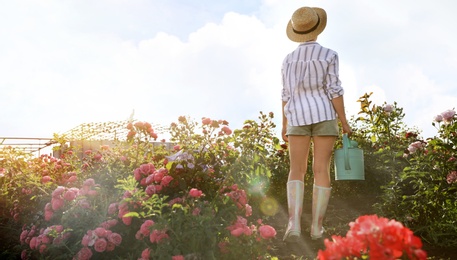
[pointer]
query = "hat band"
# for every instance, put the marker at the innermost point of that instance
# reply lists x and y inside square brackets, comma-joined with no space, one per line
[310,30]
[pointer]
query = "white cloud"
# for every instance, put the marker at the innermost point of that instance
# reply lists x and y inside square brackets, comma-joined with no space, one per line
[65,63]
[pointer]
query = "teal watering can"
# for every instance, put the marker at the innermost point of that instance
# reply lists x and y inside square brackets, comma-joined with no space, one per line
[349,163]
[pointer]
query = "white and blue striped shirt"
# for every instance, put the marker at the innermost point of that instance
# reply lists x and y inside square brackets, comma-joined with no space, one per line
[310,81]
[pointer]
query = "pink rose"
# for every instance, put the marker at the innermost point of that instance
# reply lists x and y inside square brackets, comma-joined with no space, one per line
[100,245]
[84,254]
[100,232]
[48,206]
[58,191]
[112,208]
[33,243]
[388,108]
[177,257]
[56,203]
[45,239]
[45,179]
[448,115]
[195,193]
[72,179]
[196,211]
[150,190]
[127,220]
[158,176]
[237,232]
[92,193]
[144,229]
[48,215]
[115,238]
[70,195]
[89,182]
[267,231]
[147,169]
[42,248]
[85,240]
[226,130]
[206,121]
[146,253]
[110,246]
[166,180]
[248,210]
[157,235]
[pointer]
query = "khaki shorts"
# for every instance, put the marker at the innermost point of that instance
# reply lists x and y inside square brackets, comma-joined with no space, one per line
[327,128]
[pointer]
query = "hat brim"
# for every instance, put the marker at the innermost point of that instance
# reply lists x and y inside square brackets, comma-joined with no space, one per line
[297,37]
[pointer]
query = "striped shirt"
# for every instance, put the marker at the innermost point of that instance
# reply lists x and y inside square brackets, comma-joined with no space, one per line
[310,81]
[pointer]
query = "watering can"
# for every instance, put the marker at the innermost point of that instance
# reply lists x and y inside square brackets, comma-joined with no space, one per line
[348,160]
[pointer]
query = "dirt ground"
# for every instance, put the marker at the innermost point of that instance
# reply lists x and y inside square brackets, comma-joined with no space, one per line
[339,213]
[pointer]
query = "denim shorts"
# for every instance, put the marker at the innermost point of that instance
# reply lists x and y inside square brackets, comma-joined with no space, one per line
[324,128]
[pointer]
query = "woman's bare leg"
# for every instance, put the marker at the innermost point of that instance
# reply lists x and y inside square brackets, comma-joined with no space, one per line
[298,153]
[322,153]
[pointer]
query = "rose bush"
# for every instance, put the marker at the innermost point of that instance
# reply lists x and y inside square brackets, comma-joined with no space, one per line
[211,191]
[139,200]
[424,194]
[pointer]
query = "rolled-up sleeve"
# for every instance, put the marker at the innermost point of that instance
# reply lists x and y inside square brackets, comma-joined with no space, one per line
[333,85]
[285,94]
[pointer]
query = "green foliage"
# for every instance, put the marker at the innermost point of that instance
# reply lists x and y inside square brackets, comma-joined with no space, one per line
[208,192]
[424,195]
[382,135]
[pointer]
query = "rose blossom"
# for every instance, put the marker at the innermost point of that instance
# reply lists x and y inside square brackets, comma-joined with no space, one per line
[388,108]
[438,118]
[58,191]
[248,210]
[56,203]
[177,257]
[115,238]
[84,254]
[144,229]
[451,177]
[112,208]
[146,253]
[100,245]
[166,180]
[48,215]
[100,232]
[206,121]
[195,193]
[267,231]
[226,130]
[110,246]
[45,179]
[70,195]
[448,115]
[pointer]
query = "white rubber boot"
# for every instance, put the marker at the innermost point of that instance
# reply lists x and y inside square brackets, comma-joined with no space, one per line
[321,196]
[295,190]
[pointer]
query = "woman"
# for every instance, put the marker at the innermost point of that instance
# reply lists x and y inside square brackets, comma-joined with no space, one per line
[312,100]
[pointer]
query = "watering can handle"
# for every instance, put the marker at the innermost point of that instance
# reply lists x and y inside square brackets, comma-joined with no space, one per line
[346,145]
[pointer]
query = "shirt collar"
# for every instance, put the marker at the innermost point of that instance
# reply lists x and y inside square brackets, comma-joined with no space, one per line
[308,43]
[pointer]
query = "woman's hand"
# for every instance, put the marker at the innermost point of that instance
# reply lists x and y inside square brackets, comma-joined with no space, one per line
[284,136]
[347,129]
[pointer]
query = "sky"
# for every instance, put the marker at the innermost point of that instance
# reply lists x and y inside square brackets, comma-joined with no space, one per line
[64,63]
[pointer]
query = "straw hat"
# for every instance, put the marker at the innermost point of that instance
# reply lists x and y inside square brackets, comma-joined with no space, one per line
[306,24]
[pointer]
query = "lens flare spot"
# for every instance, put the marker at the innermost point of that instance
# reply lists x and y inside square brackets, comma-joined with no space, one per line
[269,206]
[258,186]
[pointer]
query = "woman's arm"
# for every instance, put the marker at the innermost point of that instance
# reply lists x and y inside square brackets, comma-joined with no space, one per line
[338,104]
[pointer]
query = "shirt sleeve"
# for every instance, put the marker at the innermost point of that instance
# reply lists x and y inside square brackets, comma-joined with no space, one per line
[333,85]
[285,94]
